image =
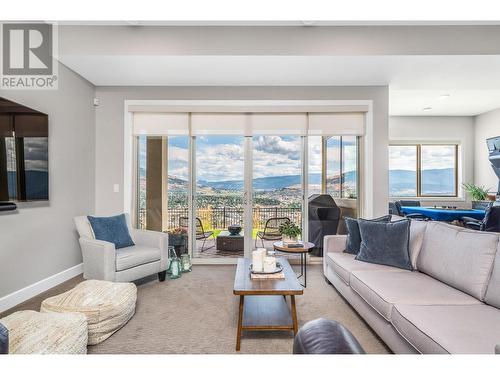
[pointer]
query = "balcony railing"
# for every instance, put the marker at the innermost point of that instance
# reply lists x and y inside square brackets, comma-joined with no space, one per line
[222,217]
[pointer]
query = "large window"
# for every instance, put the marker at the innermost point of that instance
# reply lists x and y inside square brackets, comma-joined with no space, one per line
[197,174]
[420,170]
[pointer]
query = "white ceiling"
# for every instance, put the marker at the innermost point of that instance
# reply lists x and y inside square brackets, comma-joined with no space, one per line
[415,82]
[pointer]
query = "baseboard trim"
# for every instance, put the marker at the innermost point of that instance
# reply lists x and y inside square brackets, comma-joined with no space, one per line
[24,294]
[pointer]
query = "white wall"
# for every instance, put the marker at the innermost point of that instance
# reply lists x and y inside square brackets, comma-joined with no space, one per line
[39,240]
[487,125]
[446,129]
[110,127]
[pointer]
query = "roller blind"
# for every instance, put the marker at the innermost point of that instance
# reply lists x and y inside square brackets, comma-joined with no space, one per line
[220,124]
[336,124]
[249,123]
[161,123]
[279,123]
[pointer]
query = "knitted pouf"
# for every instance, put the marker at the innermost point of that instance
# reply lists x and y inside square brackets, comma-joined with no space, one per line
[107,306]
[31,332]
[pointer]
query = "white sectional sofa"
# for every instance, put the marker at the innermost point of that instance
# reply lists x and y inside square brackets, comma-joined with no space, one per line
[449,304]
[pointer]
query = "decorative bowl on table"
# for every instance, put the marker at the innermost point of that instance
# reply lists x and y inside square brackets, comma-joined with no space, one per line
[234,229]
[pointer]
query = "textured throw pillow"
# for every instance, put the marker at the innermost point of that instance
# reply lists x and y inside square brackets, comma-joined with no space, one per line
[111,229]
[4,339]
[353,236]
[385,243]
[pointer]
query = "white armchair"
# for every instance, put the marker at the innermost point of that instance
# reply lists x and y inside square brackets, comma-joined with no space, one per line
[102,261]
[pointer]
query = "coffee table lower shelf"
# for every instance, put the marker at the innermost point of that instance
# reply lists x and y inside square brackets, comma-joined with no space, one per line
[266,313]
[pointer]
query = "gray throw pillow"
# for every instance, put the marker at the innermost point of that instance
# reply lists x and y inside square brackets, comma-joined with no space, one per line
[385,243]
[353,235]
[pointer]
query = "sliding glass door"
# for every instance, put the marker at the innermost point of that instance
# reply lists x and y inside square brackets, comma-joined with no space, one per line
[277,186]
[219,196]
[163,187]
[221,185]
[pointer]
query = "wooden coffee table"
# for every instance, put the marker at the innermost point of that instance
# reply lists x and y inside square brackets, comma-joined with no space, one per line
[263,304]
[302,251]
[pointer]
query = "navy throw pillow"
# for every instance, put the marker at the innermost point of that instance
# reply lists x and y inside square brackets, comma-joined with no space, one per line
[353,235]
[4,339]
[111,229]
[385,243]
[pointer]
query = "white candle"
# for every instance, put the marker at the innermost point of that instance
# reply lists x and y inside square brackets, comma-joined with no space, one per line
[258,260]
[269,264]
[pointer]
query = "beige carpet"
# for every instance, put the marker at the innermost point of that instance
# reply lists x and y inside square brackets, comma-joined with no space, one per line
[198,314]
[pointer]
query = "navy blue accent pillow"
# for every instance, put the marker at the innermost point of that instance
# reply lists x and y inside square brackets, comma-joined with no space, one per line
[111,229]
[385,243]
[353,235]
[4,339]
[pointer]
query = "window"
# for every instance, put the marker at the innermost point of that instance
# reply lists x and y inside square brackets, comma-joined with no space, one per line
[341,166]
[420,170]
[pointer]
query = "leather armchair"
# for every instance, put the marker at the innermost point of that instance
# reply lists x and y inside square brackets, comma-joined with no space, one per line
[322,336]
[101,261]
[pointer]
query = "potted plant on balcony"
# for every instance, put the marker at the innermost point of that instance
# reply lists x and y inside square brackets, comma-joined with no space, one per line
[290,232]
[478,194]
[178,239]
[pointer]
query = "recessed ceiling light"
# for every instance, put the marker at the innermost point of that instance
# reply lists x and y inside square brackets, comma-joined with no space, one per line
[425,109]
[444,96]
[308,23]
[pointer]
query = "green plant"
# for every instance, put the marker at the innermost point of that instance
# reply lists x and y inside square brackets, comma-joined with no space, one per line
[290,229]
[477,193]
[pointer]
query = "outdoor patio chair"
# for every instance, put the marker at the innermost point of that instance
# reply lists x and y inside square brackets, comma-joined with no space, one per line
[201,234]
[271,230]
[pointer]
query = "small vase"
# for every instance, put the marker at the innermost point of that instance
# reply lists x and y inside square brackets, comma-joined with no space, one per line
[186,263]
[174,269]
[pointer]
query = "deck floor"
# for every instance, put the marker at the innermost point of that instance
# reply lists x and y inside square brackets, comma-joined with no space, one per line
[211,251]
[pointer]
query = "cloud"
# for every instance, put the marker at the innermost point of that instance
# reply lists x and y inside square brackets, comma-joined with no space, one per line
[276,145]
[438,157]
[403,157]
[433,157]
[220,162]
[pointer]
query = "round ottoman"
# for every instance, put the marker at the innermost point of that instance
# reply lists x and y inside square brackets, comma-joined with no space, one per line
[107,306]
[323,336]
[31,332]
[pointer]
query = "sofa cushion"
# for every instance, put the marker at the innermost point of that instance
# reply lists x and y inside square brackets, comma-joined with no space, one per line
[129,257]
[417,232]
[382,290]
[353,234]
[112,229]
[385,243]
[466,329]
[492,296]
[343,264]
[458,257]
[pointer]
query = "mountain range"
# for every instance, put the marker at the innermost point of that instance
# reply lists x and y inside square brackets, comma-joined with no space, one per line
[434,181]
